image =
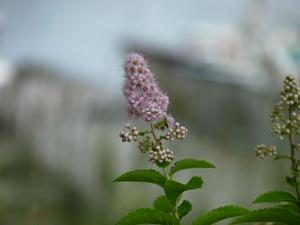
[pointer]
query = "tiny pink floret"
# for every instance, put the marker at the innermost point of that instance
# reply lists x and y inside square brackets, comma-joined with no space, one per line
[145,99]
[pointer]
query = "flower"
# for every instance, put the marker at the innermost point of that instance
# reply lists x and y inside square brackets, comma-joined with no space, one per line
[144,98]
[170,121]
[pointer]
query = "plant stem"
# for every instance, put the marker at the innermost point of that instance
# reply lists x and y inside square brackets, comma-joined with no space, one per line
[167,175]
[283,157]
[292,157]
[157,143]
[153,134]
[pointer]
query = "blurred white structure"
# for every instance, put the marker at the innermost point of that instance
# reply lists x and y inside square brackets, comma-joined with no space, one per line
[7,73]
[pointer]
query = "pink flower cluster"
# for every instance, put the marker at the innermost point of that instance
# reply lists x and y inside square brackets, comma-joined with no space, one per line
[145,99]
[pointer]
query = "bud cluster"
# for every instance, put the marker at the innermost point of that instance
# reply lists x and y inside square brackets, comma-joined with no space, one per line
[277,112]
[281,130]
[284,114]
[129,134]
[285,117]
[178,132]
[262,151]
[161,155]
[290,93]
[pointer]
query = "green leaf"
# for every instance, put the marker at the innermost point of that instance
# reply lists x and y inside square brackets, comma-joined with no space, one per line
[277,215]
[219,214]
[148,216]
[294,171]
[162,165]
[162,203]
[194,183]
[184,208]
[289,206]
[142,133]
[150,176]
[291,181]
[190,164]
[275,196]
[173,188]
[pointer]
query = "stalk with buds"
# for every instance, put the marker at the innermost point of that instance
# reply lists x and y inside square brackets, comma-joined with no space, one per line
[285,117]
[147,102]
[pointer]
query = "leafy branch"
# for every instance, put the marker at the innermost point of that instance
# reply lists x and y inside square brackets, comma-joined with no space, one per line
[286,125]
[147,102]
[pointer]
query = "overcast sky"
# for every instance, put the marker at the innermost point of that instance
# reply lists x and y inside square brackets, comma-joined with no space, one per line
[85,37]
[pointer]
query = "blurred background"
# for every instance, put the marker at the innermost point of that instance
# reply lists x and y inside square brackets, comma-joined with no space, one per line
[61,108]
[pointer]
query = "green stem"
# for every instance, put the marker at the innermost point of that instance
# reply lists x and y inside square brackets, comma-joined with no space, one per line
[292,157]
[157,143]
[283,157]
[153,134]
[167,175]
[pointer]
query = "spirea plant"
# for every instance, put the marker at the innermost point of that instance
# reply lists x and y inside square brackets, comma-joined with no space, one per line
[146,101]
[285,118]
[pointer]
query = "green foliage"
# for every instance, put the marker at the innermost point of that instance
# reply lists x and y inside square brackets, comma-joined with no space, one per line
[219,214]
[277,215]
[194,183]
[162,203]
[148,216]
[291,181]
[189,164]
[289,206]
[162,165]
[173,188]
[146,175]
[184,208]
[286,125]
[275,196]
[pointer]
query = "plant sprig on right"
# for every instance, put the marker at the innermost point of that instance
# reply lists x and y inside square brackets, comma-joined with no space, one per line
[285,118]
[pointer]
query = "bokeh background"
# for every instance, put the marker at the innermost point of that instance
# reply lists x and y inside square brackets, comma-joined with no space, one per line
[61,108]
